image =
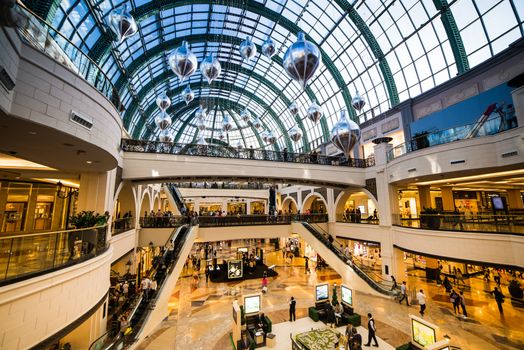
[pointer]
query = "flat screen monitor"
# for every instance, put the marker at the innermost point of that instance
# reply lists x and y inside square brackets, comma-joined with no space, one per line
[234,269]
[321,292]
[347,295]
[242,250]
[422,334]
[498,203]
[252,304]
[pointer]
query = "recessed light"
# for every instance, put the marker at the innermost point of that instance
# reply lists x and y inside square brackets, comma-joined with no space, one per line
[89,162]
[32,132]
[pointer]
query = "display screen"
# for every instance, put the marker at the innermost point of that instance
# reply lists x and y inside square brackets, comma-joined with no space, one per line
[234,269]
[242,250]
[347,295]
[423,334]
[497,202]
[252,304]
[322,292]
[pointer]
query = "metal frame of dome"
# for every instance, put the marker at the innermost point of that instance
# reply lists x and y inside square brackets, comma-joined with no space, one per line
[427,34]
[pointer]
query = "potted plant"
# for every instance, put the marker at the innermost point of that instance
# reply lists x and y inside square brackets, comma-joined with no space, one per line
[87,218]
[429,218]
[515,289]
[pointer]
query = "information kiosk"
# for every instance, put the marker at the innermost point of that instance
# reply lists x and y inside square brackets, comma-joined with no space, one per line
[425,335]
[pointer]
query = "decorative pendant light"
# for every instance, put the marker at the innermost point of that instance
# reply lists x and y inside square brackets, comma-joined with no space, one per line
[245,115]
[268,48]
[302,60]
[221,136]
[163,102]
[295,134]
[239,145]
[263,135]
[358,102]
[202,141]
[182,61]
[187,94]
[200,113]
[226,123]
[163,121]
[257,123]
[166,136]
[210,68]
[345,134]
[247,49]
[271,138]
[293,108]
[201,125]
[314,112]
[122,23]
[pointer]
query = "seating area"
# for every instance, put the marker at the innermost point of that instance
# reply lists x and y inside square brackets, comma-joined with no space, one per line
[319,313]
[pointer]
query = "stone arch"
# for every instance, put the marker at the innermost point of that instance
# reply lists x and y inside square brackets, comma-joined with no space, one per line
[124,200]
[146,204]
[290,204]
[156,201]
[360,195]
[310,200]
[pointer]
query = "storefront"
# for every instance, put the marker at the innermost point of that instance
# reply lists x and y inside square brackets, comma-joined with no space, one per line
[206,208]
[236,207]
[258,207]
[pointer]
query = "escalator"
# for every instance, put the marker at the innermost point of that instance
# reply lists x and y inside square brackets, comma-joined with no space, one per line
[141,312]
[351,268]
[177,197]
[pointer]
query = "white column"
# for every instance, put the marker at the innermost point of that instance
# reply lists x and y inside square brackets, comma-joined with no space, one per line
[248,207]
[299,199]
[331,210]
[96,191]
[384,192]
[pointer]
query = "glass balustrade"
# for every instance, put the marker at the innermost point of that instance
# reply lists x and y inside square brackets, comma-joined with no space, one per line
[122,225]
[356,219]
[26,256]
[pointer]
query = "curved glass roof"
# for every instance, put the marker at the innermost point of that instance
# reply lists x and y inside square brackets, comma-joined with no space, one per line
[387,50]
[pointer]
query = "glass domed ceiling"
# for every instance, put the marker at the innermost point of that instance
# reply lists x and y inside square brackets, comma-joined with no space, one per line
[389,51]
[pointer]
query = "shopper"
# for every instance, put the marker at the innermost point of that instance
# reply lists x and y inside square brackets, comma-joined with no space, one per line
[349,334]
[264,284]
[404,293]
[371,331]
[153,288]
[330,316]
[306,264]
[463,304]
[394,286]
[421,297]
[454,298]
[125,289]
[499,298]
[292,307]
[145,284]
[356,340]
[339,310]
[447,284]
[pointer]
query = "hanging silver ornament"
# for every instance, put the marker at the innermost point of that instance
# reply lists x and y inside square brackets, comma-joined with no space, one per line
[200,113]
[166,136]
[239,145]
[182,61]
[163,101]
[295,134]
[358,102]
[302,60]
[345,134]
[210,68]
[163,121]
[201,124]
[264,135]
[202,141]
[271,139]
[257,123]
[247,49]
[293,108]
[314,112]
[187,94]
[268,48]
[245,115]
[221,136]
[226,123]
[122,23]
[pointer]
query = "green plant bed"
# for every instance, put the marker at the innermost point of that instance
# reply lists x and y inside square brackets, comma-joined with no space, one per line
[313,313]
[404,347]
[355,320]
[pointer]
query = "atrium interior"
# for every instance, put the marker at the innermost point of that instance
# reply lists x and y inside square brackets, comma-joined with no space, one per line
[242,174]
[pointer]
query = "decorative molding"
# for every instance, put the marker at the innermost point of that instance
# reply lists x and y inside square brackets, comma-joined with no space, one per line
[369,134]
[390,125]
[462,95]
[433,107]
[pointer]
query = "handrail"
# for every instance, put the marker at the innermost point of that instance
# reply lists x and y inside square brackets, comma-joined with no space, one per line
[384,287]
[27,256]
[41,35]
[353,218]
[219,151]
[122,225]
[49,232]
[440,137]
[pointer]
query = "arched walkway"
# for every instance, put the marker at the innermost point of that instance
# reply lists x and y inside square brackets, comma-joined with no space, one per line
[289,205]
[356,206]
[315,203]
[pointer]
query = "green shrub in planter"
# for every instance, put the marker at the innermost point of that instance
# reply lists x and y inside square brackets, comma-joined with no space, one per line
[88,218]
[515,289]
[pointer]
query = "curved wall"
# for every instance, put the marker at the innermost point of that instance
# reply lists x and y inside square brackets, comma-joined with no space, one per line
[35,309]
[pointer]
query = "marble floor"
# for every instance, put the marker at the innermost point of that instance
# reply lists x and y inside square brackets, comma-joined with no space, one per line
[200,316]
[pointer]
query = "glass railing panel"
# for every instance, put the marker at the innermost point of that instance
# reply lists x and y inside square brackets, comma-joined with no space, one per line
[29,255]
[162,221]
[355,218]
[122,225]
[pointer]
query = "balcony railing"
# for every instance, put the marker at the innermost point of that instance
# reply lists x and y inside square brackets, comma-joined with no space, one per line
[513,223]
[162,221]
[357,219]
[219,151]
[43,37]
[492,126]
[122,225]
[30,255]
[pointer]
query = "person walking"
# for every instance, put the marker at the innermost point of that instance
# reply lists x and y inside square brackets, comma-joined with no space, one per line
[499,298]
[455,300]
[146,283]
[371,331]
[463,304]
[421,297]
[394,286]
[292,308]
[330,316]
[356,340]
[264,284]
[404,293]
[125,289]
[349,336]
[306,265]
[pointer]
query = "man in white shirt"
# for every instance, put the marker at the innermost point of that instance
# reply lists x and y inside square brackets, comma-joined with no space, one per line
[421,297]
[146,284]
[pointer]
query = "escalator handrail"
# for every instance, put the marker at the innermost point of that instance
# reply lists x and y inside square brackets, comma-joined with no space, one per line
[372,283]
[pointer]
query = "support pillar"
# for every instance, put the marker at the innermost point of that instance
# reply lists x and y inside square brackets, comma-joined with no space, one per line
[399,267]
[448,204]
[299,199]
[431,269]
[331,205]
[96,191]
[515,199]
[383,188]
[424,196]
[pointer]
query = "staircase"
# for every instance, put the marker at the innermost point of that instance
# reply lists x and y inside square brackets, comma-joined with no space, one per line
[373,279]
